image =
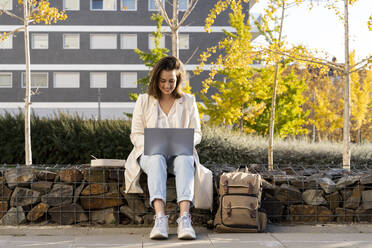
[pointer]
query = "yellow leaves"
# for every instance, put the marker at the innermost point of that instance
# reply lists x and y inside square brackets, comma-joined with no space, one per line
[42,12]
[370,23]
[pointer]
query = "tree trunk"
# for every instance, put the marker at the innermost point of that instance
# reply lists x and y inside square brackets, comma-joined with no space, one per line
[175,39]
[347,152]
[28,152]
[270,155]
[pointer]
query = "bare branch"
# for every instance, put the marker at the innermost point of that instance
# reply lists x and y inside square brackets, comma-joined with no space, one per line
[361,62]
[163,12]
[11,14]
[14,31]
[192,55]
[35,92]
[188,11]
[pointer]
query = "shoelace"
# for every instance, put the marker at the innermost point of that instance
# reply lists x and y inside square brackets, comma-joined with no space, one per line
[185,221]
[160,219]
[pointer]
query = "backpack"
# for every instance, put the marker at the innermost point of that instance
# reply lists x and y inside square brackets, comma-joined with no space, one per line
[239,203]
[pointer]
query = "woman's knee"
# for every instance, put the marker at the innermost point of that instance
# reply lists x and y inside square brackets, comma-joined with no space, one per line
[154,163]
[184,163]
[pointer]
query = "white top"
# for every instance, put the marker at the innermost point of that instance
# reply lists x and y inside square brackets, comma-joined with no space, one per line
[165,121]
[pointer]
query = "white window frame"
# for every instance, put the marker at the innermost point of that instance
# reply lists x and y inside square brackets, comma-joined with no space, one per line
[188,41]
[91,41]
[151,41]
[183,10]
[10,7]
[149,5]
[23,80]
[10,42]
[33,41]
[11,79]
[64,8]
[64,87]
[91,7]
[64,44]
[122,43]
[122,6]
[90,79]
[122,82]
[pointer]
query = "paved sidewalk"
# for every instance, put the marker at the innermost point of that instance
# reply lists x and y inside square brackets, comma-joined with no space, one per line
[319,236]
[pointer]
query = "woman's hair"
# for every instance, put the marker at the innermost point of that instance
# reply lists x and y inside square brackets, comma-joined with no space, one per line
[168,63]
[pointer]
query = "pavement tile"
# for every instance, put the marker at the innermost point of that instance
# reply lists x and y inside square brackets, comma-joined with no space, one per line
[109,241]
[40,241]
[4,240]
[202,241]
[256,240]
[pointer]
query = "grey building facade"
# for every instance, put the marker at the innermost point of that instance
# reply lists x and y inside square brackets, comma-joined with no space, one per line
[89,57]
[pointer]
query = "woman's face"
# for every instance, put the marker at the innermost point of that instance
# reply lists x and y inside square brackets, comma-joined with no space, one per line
[167,82]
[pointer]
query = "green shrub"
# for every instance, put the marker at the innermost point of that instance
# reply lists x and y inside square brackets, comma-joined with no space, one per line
[67,139]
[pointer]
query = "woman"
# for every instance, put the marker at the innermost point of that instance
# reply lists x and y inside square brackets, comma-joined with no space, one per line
[165,106]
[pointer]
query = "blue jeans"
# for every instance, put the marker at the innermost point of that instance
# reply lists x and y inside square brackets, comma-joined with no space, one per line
[156,167]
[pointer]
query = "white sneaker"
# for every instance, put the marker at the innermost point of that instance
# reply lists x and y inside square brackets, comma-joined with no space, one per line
[160,229]
[185,230]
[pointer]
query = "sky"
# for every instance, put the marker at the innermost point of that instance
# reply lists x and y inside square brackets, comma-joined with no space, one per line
[320,28]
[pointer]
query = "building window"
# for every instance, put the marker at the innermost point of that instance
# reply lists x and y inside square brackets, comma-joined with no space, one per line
[71,4]
[103,4]
[39,41]
[182,5]
[128,41]
[66,80]
[128,80]
[183,41]
[38,80]
[103,41]
[98,80]
[7,43]
[6,4]
[153,6]
[6,80]
[152,42]
[71,41]
[129,5]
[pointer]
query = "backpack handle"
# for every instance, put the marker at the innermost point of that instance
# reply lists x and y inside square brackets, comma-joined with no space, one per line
[242,167]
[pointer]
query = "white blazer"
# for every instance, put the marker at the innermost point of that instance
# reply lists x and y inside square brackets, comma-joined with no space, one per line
[145,115]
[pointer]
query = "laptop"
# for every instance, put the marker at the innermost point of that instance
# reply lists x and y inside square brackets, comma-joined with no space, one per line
[169,141]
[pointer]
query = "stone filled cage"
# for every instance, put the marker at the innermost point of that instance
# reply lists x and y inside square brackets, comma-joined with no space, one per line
[85,196]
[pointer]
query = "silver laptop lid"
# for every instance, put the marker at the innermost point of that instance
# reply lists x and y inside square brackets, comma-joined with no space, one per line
[169,141]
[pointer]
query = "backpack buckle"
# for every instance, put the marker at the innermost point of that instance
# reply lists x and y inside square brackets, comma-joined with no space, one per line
[226,187]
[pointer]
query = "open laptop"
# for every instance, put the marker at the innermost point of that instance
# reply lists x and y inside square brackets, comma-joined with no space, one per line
[169,141]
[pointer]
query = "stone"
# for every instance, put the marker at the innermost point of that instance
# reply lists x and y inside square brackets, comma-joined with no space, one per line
[171,208]
[78,191]
[367,179]
[136,202]
[314,197]
[335,173]
[308,172]
[95,175]
[106,200]
[95,189]
[138,219]
[268,187]
[273,208]
[309,214]
[148,219]
[105,216]
[3,208]
[283,179]
[363,215]
[24,197]
[113,186]
[327,185]
[346,181]
[37,212]
[304,183]
[334,200]
[5,193]
[171,189]
[344,215]
[288,194]
[117,175]
[14,216]
[46,175]
[127,211]
[19,177]
[71,175]
[354,200]
[60,194]
[42,186]
[68,214]
[367,199]
[346,193]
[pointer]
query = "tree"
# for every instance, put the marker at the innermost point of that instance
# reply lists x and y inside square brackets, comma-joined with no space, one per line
[34,11]
[174,23]
[153,56]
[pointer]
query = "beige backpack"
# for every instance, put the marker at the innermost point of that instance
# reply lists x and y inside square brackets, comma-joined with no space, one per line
[239,202]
